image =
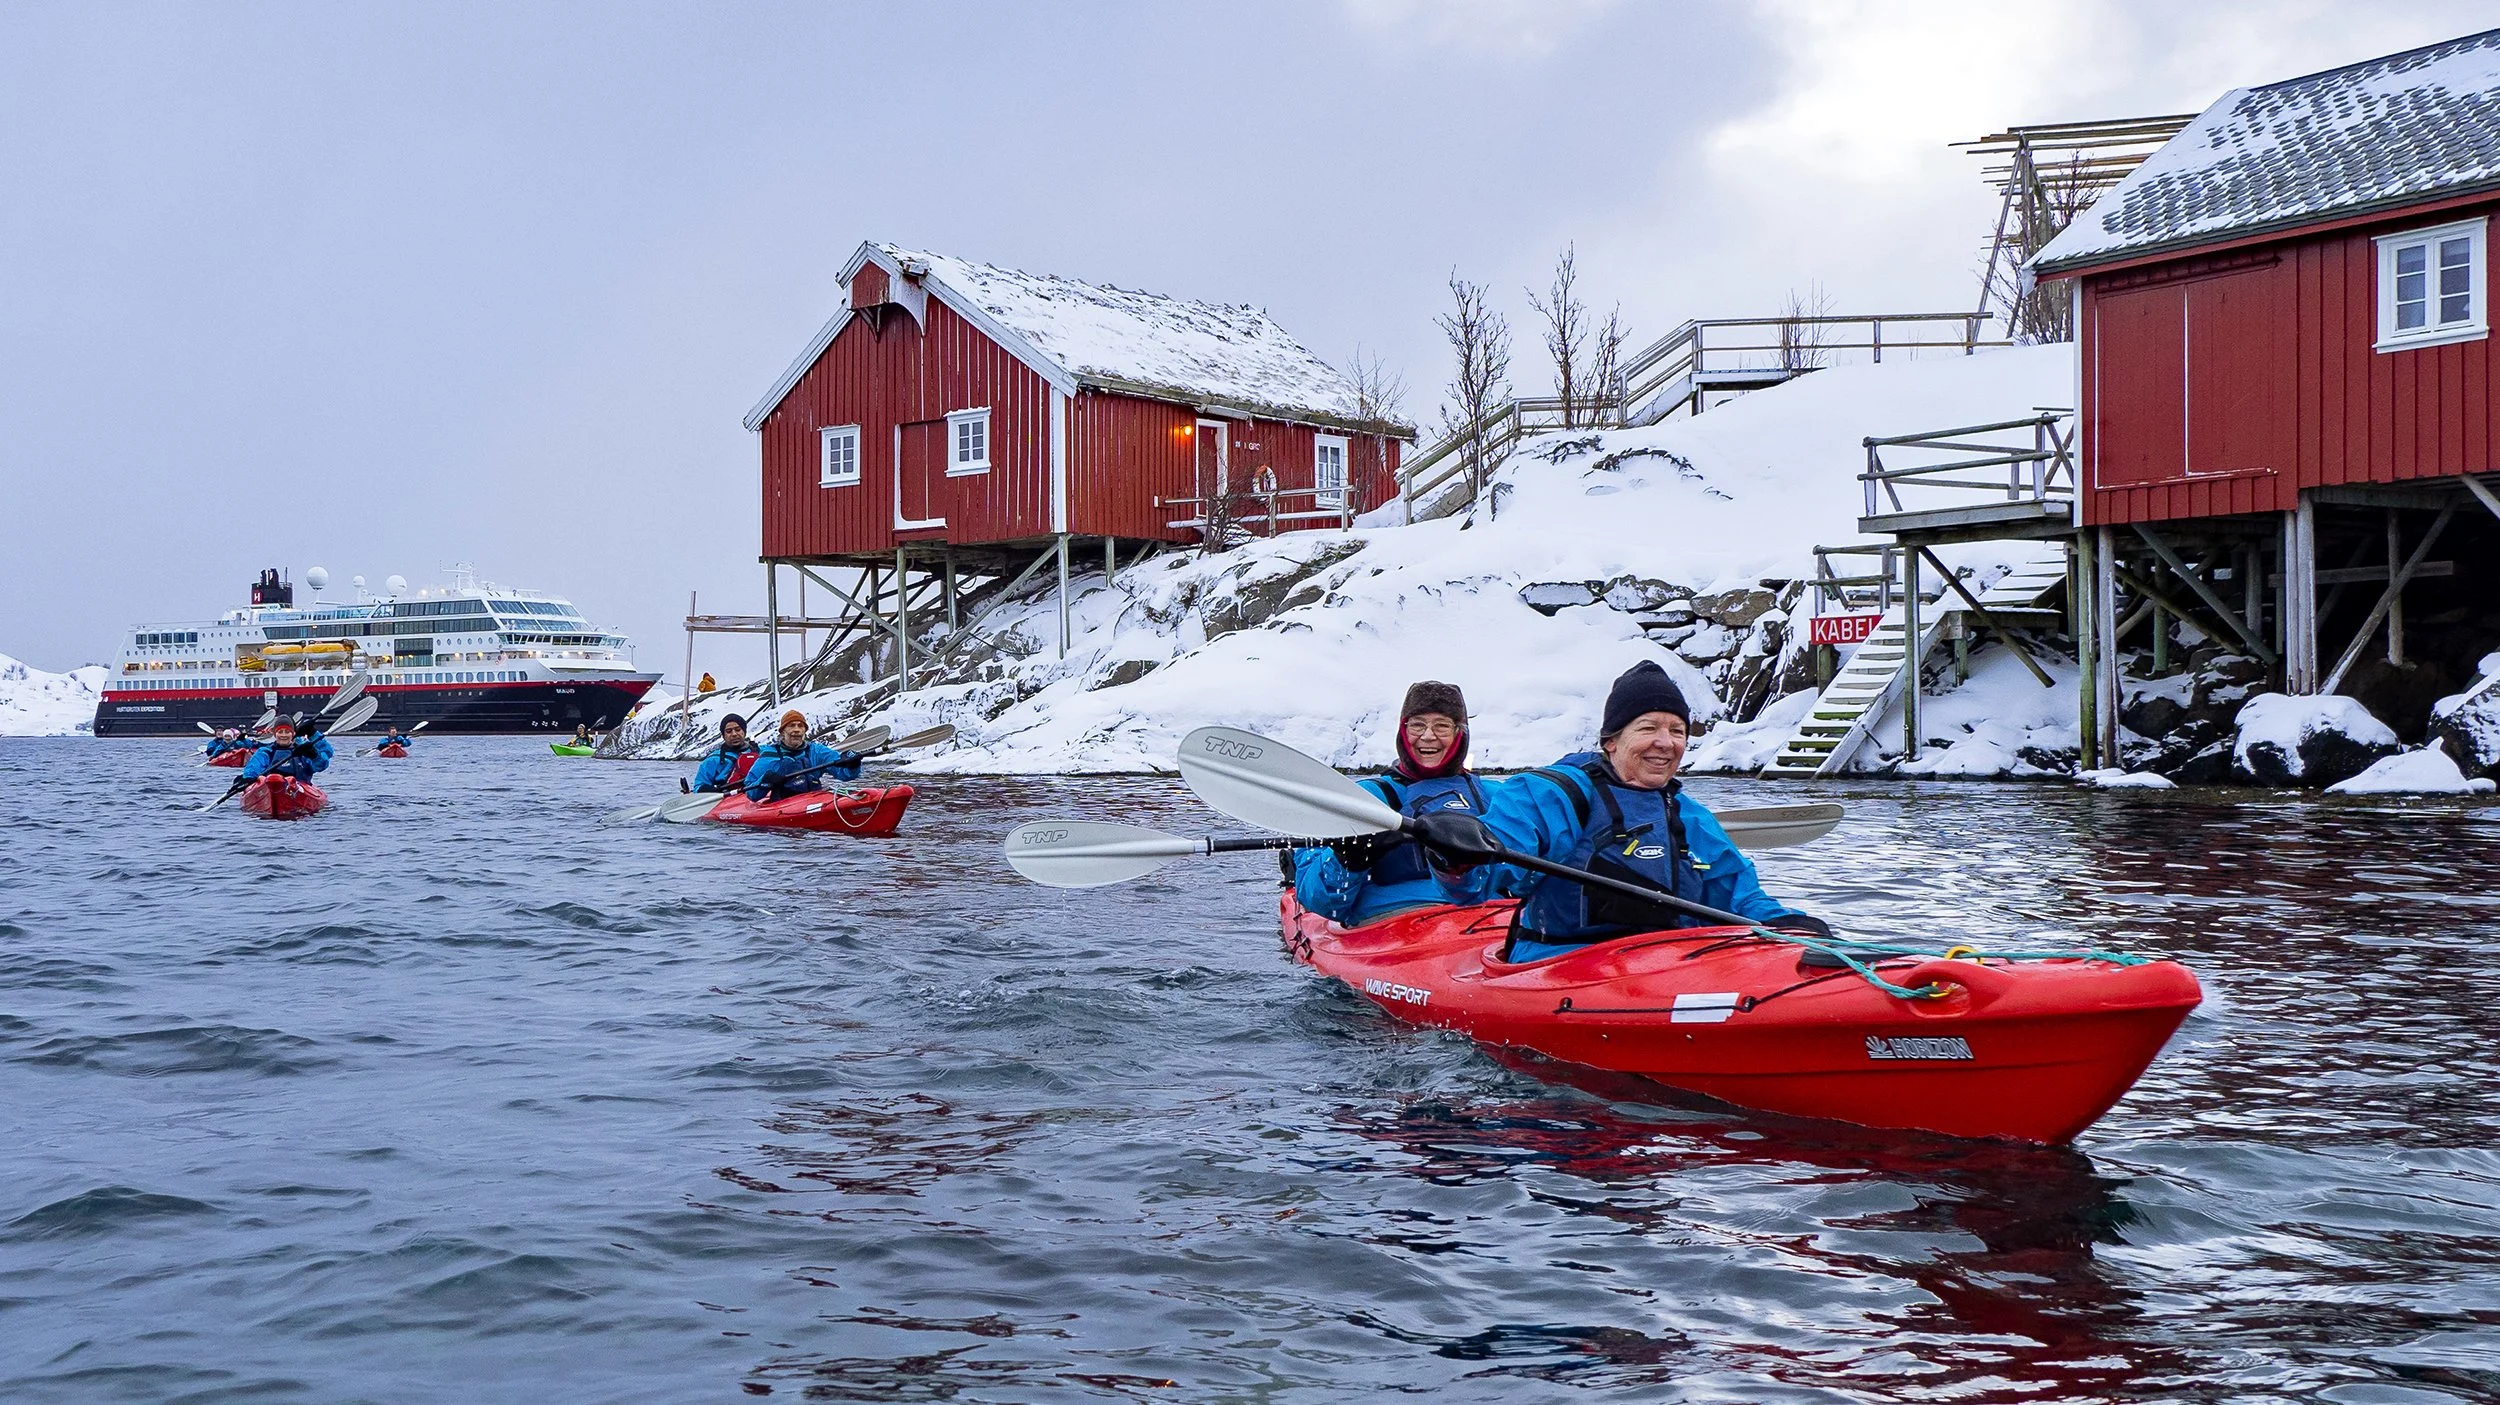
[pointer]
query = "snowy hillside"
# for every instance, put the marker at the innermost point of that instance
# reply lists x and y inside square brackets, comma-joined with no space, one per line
[1671,543]
[38,704]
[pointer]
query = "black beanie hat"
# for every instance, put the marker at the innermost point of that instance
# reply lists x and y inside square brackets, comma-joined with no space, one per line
[1643,688]
[733,717]
[1429,696]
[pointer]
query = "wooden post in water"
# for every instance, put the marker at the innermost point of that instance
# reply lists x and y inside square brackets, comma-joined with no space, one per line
[2085,570]
[2299,607]
[1909,655]
[902,620]
[2104,678]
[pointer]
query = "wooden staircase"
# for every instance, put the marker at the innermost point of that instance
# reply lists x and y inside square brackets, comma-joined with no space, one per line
[1870,679]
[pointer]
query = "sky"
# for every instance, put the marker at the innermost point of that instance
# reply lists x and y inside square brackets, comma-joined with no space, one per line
[384,289]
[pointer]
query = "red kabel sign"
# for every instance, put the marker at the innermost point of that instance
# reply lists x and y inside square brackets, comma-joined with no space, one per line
[1841,629]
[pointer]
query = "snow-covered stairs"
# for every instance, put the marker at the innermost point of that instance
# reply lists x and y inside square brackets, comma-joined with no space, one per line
[1869,681]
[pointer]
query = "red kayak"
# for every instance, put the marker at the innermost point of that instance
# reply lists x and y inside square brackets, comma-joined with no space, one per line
[390,751]
[874,813]
[2033,1050]
[283,798]
[234,758]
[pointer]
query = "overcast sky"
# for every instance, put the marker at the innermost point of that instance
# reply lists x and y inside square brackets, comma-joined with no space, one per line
[383,288]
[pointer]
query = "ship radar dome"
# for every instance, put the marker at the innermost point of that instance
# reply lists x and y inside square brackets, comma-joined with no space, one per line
[396,585]
[356,581]
[318,578]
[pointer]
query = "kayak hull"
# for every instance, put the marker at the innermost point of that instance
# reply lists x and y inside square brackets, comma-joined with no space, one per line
[2031,1051]
[233,758]
[873,813]
[390,751]
[283,798]
[568,749]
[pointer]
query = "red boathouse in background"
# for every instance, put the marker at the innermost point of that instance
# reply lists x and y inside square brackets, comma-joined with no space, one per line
[2285,354]
[957,417]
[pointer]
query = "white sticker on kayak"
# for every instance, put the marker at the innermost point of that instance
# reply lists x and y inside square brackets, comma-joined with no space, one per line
[1917,1047]
[1713,1008]
[1391,990]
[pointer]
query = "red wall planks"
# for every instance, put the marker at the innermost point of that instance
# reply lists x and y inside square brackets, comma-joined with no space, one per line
[2261,371]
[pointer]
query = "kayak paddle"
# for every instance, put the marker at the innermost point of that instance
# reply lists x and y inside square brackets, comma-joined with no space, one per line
[348,691]
[1779,826]
[205,728]
[1271,785]
[358,714]
[1092,853]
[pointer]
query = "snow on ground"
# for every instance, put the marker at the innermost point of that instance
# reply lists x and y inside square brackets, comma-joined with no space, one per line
[1984,727]
[1746,747]
[2428,771]
[1726,500]
[2285,721]
[38,704]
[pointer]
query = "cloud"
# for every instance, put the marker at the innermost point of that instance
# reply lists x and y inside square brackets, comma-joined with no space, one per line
[1478,28]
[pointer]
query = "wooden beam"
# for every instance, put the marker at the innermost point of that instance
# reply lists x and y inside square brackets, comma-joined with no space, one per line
[2387,600]
[1991,621]
[2481,494]
[2207,593]
[2364,575]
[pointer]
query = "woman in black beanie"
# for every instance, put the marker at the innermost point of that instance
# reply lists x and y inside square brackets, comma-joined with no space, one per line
[1618,811]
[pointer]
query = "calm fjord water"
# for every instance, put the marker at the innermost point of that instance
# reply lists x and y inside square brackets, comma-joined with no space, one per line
[453,1094]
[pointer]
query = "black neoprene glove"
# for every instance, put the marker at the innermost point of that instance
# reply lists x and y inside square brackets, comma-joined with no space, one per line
[1458,838]
[1798,924]
[1358,852]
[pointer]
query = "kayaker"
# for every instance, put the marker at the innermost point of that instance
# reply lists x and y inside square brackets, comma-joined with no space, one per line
[1617,812]
[582,736]
[286,754]
[227,739]
[393,737]
[791,763]
[725,766]
[1368,877]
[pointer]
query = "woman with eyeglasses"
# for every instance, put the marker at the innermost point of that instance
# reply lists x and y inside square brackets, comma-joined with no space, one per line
[1368,877]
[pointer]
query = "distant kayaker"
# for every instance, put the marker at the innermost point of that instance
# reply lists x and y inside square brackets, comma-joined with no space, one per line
[1617,812]
[725,766]
[791,763]
[582,736]
[227,739]
[1368,877]
[392,737]
[286,754]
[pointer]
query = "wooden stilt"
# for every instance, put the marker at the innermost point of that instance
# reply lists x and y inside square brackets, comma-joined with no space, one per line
[2085,569]
[772,631]
[685,705]
[2298,600]
[2104,678]
[2396,604]
[1909,656]
[902,619]
[946,558]
[2161,641]
[1064,636]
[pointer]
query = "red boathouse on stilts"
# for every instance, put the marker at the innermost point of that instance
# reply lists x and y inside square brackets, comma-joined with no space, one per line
[956,429]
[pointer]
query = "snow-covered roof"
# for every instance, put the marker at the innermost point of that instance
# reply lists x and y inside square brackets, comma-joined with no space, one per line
[1093,336]
[2387,132]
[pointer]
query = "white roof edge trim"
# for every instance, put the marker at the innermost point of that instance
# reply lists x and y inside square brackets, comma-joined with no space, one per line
[989,326]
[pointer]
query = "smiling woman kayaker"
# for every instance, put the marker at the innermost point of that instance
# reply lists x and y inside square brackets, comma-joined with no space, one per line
[1617,812]
[1368,877]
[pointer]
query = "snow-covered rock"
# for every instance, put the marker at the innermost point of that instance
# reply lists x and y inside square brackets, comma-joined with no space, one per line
[2467,725]
[2317,741]
[34,703]
[1605,544]
[2120,778]
[2428,771]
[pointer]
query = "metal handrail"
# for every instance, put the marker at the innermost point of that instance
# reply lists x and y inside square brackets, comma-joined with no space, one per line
[1680,360]
[2042,471]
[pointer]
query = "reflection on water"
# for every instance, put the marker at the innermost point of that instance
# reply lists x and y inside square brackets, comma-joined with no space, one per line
[451,1094]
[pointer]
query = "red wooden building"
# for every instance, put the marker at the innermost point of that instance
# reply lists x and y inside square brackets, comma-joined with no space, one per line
[2285,354]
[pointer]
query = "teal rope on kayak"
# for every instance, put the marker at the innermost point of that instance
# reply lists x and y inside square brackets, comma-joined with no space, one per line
[1848,950]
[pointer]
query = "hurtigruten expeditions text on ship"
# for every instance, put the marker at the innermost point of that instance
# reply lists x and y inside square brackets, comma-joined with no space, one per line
[472,658]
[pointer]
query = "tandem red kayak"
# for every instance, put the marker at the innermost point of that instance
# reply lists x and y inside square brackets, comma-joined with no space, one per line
[234,758]
[283,798]
[874,813]
[2031,1050]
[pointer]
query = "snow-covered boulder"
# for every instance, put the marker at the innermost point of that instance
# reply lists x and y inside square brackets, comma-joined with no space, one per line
[2467,725]
[2313,741]
[2428,771]
[2120,778]
[34,703]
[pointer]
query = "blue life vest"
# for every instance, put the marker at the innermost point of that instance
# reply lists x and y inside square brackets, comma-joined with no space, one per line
[1632,835]
[1414,799]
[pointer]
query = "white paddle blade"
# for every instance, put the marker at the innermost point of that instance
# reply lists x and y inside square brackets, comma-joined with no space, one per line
[631,814]
[266,719]
[1273,786]
[205,728]
[356,715]
[686,809]
[348,691]
[869,740]
[927,737]
[1779,826]
[1091,853]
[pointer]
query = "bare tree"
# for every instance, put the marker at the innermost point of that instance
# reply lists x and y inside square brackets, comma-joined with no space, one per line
[1566,333]
[1479,338]
[1379,395]
[1606,369]
[1801,337]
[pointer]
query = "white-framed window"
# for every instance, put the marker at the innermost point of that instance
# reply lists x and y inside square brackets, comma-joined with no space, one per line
[1328,468]
[2430,286]
[837,456]
[968,431]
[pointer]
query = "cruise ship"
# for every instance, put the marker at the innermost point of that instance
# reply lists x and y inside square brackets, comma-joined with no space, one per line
[471,658]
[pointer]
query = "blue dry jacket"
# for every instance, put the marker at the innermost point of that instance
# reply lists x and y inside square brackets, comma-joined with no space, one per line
[766,779]
[1399,879]
[219,746]
[719,770]
[400,741]
[1576,812]
[295,759]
